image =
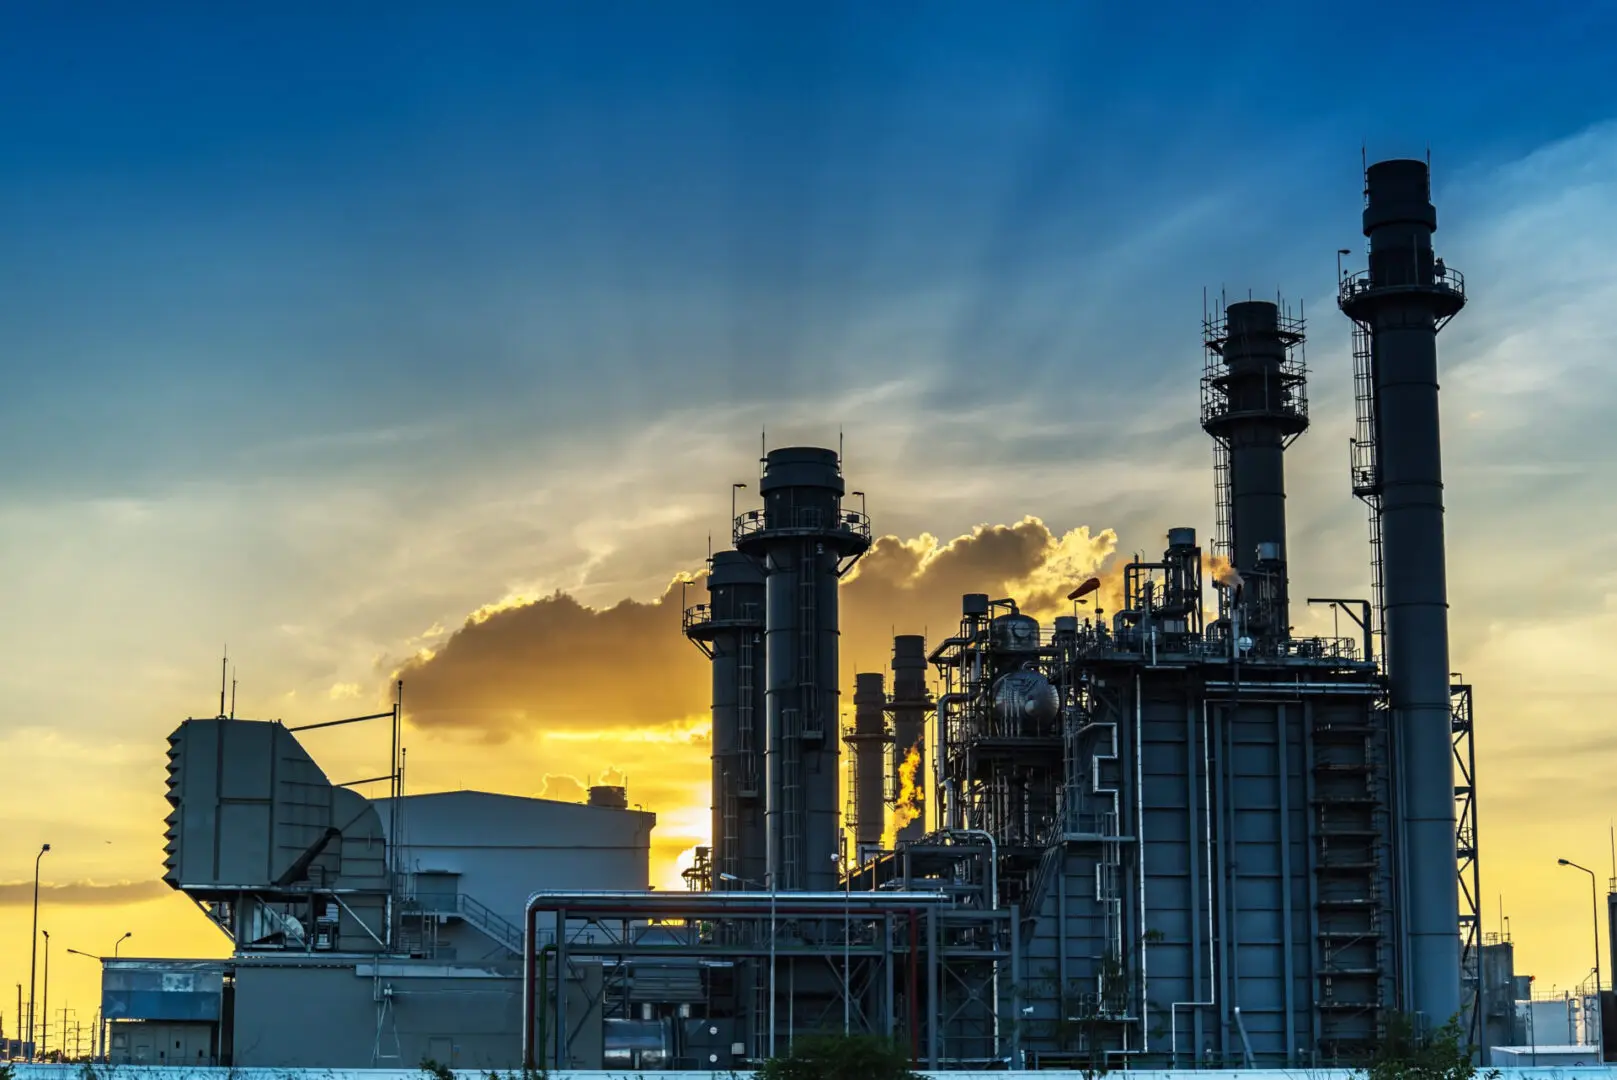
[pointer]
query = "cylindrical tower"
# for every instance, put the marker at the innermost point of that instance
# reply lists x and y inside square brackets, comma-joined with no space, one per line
[1254,403]
[1401,303]
[729,628]
[909,707]
[868,740]
[802,537]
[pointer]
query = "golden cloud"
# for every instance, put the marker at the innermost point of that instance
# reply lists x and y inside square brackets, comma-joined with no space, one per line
[618,694]
[83,893]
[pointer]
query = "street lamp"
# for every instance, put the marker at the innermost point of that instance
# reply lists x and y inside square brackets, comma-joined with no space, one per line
[127,935]
[749,881]
[841,859]
[33,946]
[45,996]
[1594,904]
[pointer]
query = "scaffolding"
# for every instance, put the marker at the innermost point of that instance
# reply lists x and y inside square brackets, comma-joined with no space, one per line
[1226,403]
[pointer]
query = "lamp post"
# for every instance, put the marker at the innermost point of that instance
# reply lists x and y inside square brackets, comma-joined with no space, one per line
[847,934]
[33,946]
[1594,904]
[127,935]
[45,997]
[771,888]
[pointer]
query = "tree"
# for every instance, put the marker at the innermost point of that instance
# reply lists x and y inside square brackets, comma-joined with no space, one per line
[838,1057]
[1407,1055]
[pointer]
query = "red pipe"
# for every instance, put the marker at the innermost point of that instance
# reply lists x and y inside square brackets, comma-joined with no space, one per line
[915,954]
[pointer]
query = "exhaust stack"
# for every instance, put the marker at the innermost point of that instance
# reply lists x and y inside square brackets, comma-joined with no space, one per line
[1254,404]
[729,628]
[909,708]
[805,542]
[1398,306]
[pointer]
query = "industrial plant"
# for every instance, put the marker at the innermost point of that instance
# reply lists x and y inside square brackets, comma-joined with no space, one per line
[1171,834]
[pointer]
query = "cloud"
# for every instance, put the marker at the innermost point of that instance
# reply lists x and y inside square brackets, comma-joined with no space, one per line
[556,667]
[555,664]
[83,893]
[563,788]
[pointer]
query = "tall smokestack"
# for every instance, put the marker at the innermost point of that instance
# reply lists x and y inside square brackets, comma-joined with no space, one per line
[801,537]
[730,630]
[868,740]
[1400,304]
[909,707]
[1254,404]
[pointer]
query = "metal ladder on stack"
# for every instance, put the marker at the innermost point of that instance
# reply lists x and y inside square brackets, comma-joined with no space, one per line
[1365,466]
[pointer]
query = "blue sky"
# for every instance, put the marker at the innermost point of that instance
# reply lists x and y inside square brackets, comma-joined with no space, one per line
[229,229]
[324,328]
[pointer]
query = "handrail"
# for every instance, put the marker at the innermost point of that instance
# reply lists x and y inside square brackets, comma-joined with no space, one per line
[1443,278]
[803,518]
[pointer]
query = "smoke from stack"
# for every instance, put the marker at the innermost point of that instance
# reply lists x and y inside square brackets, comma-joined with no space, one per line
[907,807]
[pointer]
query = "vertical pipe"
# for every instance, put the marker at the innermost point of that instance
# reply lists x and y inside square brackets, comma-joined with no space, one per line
[1016,996]
[528,941]
[1283,775]
[1191,903]
[1311,852]
[914,972]
[888,974]
[560,1061]
[1139,843]
[934,1005]
[1221,850]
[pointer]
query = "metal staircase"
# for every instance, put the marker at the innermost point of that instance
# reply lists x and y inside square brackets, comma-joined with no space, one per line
[1348,803]
[473,913]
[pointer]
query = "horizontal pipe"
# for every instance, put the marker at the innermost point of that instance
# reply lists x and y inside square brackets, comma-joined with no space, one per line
[1248,689]
[335,723]
[699,904]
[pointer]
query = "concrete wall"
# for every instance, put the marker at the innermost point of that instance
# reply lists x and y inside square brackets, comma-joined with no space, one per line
[73,1072]
[161,1043]
[329,1017]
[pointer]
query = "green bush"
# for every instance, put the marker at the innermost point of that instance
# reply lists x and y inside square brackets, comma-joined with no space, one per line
[840,1057]
[1406,1055]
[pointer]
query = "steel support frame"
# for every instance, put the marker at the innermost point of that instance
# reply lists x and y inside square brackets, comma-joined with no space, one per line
[1466,860]
[902,940]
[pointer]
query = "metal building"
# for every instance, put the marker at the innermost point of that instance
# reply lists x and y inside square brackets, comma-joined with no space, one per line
[363,932]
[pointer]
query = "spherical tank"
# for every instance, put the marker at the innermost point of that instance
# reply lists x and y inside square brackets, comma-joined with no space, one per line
[1015,633]
[1025,696]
